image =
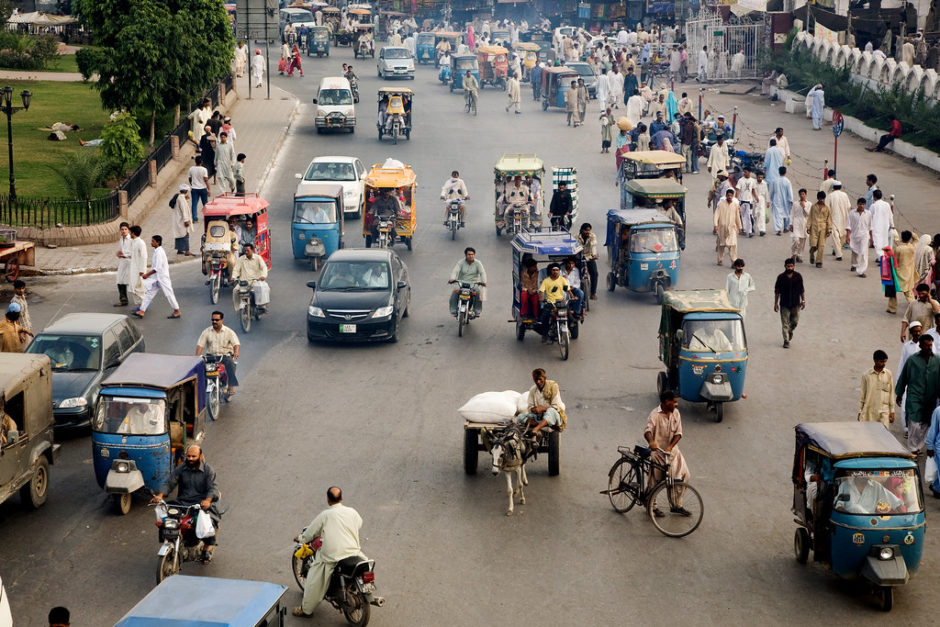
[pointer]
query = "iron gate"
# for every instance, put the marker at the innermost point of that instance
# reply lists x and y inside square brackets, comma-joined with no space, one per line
[734,48]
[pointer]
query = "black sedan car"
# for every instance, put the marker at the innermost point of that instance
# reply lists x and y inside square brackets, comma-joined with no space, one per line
[362,295]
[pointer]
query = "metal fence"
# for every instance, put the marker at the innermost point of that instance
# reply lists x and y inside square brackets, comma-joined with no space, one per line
[735,48]
[137,182]
[45,213]
[163,153]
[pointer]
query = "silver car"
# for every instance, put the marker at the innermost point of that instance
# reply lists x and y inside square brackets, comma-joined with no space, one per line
[397,62]
[587,73]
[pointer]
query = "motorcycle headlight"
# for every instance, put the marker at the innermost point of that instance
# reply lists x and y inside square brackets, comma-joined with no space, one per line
[171,524]
[315,312]
[78,401]
[383,312]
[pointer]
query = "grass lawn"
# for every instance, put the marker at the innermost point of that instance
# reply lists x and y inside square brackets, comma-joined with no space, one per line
[33,154]
[63,63]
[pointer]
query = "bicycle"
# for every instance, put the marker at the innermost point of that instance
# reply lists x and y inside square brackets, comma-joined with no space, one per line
[586,282]
[471,103]
[628,483]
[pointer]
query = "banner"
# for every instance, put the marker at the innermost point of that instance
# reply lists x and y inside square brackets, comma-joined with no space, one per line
[827,35]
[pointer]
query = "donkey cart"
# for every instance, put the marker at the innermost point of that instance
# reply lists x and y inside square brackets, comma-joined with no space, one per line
[473,443]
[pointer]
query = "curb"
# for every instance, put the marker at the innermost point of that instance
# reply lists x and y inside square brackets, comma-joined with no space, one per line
[280,144]
[32,271]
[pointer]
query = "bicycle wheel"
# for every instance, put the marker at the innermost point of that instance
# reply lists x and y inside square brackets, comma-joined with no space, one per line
[624,483]
[682,509]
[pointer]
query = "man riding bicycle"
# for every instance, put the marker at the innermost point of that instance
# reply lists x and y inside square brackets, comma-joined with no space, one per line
[470,89]
[454,187]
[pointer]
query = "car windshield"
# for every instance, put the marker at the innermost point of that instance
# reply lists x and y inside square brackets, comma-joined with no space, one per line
[877,492]
[299,16]
[397,53]
[330,171]
[714,336]
[583,69]
[130,416]
[69,353]
[315,211]
[333,97]
[653,241]
[354,276]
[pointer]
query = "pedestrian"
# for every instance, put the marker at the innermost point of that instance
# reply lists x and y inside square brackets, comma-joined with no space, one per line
[295,62]
[182,223]
[514,94]
[241,59]
[890,136]
[59,617]
[583,97]
[924,259]
[199,187]
[603,91]
[882,221]
[739,284]
[908,350]
[871,183]
[11,333]
[615,86]
[858,235]
[571,103]
[798,215]
[257,67]
[919,379]
[224,164]
[123,254]
[718,157]
[535,77]
[239,172]
[922,309]
[26,323]
[889,279]
[138,264]
[607,120]
[207,151]
[228,128]
[747,197]
[663,432]
[820,227]
[773,160]
[875,402]
[630,84]
[839,207]
[818,98]
[199,118]
[634,107]
[727,224]
[762,192]
[783,144]
[588,241]
[789,299]
[158,279]
[905,271]
[702,75]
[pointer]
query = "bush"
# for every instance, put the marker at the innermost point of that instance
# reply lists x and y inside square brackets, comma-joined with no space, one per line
[89,59]
[26,52]
[121,146]
[83,172]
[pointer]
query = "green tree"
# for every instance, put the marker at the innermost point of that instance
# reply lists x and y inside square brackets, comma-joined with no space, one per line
[121,148]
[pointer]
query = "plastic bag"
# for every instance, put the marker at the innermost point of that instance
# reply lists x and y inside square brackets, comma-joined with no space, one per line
[262,293]
[160,511]
[204,528]
[930,470]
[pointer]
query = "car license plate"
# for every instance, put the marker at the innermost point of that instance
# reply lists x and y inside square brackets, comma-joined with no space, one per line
[347,328]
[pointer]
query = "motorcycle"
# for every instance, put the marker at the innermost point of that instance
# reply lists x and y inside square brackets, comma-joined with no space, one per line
[352,584]
[395,124]
[174,522]
[466,301]
[216,384]
[216,277]
[562,328]
[518,221]
[247,307]
[385,232]
[453,216]
[354,86]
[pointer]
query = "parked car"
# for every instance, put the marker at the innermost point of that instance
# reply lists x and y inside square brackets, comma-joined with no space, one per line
[345,171]
[84,348]
[362,294]
[25,381]
[397,62]
[587,73]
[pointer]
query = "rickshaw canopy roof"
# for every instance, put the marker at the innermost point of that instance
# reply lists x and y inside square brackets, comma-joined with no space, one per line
[389,91]
[424,36]
[491,49]
[390,177]
[182,600]
[319,29]
[324,190]
[518,163]
[330,10]
[549,243]
[686,301]
[360,11]
[662,159]
[528,46]
[364,26]
[448,34]
[231,205]
[153,370]
[632,217]
[842,440]
[655,188]
[464,57]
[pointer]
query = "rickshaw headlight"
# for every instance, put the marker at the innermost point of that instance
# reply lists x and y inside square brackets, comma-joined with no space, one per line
[315,312]
[121,468]
[716,379]
[383,312]
[886,553]
[78,401]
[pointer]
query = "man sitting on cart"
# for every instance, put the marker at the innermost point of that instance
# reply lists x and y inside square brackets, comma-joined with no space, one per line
[546,408]
[386,206]
[516,196]
[554,289]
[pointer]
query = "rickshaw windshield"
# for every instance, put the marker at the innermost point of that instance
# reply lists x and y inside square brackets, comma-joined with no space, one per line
[322,171]
[355,276]
[653,241]
[315,211]
[69,353]
[333,97]
[877,492]
[466,64]
[714,336]
[131,416]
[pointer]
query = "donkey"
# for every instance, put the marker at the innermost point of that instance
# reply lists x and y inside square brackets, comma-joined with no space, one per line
[508,448]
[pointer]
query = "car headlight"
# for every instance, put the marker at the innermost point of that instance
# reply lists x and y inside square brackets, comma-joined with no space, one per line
[886,553]
[78,401]
[382,312]
[315,312]
[349,193]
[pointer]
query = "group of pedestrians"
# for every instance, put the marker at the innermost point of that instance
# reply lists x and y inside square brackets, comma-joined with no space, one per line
[135,280]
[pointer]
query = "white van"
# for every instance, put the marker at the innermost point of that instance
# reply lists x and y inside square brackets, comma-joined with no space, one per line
[335,108]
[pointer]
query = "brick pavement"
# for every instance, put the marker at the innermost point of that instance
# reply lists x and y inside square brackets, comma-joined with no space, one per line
[261,126]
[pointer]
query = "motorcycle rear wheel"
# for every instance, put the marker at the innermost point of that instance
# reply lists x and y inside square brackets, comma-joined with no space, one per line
[168,565]
[357,609]
[563,344]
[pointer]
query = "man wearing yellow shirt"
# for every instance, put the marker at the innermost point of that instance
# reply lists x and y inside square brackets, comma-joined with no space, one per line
[554,288]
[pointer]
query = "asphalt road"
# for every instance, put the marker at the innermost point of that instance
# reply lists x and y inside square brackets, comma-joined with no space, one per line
[380,422]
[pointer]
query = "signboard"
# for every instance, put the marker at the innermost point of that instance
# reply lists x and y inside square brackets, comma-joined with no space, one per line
[250,20]
[838,123]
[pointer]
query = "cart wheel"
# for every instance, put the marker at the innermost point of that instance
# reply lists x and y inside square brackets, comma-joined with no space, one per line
[520,331]
[611,282]
[12,270]
[470,451]
[662,383]
[554,454]
[408,243]
[801,545]
[719,411]
[121,503]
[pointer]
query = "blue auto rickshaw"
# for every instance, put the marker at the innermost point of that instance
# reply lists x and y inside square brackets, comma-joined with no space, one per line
[316,228]
[702,344]
[318,41]
[643,251]
[209,602]
[424,47]
[655,193]
[555,82]
[149,410]
[459,64]
[858,501]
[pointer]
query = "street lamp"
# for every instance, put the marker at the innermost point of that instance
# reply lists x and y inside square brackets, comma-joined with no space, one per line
[6,105]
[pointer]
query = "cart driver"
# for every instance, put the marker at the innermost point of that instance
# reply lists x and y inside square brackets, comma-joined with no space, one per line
[386,206]
[710,338]
[862,495]
[545,407]
[454,187]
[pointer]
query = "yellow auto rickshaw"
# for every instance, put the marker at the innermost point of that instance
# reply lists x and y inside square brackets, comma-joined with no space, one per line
[529,52]
[394,112]
[389,184]
[494,66]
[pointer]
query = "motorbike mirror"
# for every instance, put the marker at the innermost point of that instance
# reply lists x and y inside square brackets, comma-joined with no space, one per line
[679,334]
[314,101]
[312,285]
[298,175]
[402,285]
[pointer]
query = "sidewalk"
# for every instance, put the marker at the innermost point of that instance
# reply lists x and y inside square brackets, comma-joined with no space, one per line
[261,126]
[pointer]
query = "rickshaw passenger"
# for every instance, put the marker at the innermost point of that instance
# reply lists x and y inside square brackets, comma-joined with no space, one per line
[572,274]
[862,495]
[535,192]
[669,210]
[561,206]
[383,110]
[142,419]
[710,338]
[529,297]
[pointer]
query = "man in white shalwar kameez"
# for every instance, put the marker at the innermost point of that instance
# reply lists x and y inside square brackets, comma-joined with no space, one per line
[634,111]
[818,97]
[882,221]
[124,265]
[158,279]
[603,91]
[257,67]
[858,234]
[840,205]
[514,94]
[138,264]
[241,59]
[738,61]
[615,87]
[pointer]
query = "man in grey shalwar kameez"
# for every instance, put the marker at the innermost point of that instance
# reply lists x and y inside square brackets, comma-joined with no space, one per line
[225,163]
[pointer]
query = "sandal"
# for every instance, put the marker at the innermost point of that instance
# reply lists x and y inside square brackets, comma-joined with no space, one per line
[137,313]
[299,611]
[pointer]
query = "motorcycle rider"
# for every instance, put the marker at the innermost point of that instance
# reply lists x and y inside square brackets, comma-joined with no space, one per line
[454,187]
[338,528]
[221,340]
[353,81]
[516,196]
[468,270]
[252,268]
[388,206]
[561,207]
[553,289]
[197,484]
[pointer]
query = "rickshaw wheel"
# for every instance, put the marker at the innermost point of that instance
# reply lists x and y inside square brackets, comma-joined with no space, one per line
[660,293]
[408,242]
[121,503]
[801,545]
[886,594]
[662,383]
[719,411]
[611,282]
[520,331]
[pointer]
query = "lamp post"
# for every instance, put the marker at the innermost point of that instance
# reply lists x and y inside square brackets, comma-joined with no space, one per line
[6,105]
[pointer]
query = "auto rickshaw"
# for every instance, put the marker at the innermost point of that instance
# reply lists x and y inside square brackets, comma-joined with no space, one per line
[649,164]
[703,346]
[643,251]
[555,82]
[248,208]
[399,177]
[857,498]
[363,41]
[529,167]
[544,248]
[500,36]
[453,40]
[396,105]
[316,228]
[458,68]
[494,66]
[529,52]
[332,18]
[359,15]
[318,41]
[149,410]
[187,600]
[424,47]
[652,194]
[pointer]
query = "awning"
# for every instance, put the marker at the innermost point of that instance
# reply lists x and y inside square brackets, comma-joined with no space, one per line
[41,19]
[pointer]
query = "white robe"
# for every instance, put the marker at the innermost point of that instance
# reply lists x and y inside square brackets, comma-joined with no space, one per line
[124,275]
[615,86]
[160,280]
[603,91]
[138,266]
[257,69]
[738,62]
[635,109]
[882,221]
